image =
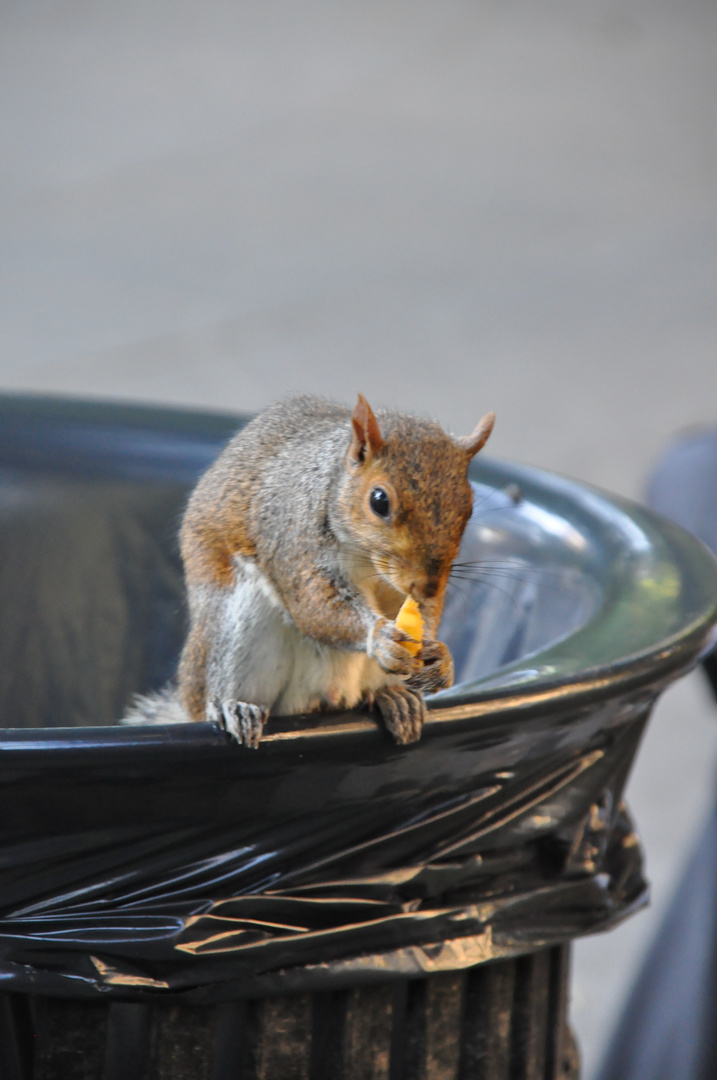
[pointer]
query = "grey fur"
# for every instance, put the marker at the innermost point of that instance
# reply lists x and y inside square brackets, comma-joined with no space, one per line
[162,707]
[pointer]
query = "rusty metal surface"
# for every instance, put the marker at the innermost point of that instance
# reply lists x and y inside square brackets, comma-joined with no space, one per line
[499,1021]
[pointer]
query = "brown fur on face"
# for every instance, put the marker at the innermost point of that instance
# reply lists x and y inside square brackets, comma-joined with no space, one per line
[424,473]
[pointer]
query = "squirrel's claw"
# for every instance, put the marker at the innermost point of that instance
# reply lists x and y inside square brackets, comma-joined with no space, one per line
[436,670]
[403,711]
[244,722]
[386,648]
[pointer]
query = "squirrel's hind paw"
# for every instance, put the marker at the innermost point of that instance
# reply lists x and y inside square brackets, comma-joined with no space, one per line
[244,722]
[403,711]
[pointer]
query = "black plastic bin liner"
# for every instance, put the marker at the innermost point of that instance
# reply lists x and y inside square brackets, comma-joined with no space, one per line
[143,861]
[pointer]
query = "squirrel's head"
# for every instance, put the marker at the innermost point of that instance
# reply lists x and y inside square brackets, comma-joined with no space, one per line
[406,499]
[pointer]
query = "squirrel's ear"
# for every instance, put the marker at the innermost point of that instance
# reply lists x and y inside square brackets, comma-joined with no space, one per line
[471,444]
[366,440]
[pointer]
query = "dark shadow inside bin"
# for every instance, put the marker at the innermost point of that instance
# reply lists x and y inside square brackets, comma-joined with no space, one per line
[90,577]
[524,580]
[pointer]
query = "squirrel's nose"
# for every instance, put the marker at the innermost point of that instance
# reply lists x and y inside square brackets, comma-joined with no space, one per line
[426,589]
[431,588]
[433,578]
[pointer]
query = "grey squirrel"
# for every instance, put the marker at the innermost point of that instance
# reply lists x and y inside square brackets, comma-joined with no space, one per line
[300,544]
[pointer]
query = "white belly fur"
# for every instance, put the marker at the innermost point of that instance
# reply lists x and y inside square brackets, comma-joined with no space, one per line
[272,664]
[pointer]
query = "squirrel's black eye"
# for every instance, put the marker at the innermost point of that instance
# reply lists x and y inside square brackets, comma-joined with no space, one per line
[380,502]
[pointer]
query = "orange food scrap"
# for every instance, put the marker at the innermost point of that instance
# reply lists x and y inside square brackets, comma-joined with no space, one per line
[410,621]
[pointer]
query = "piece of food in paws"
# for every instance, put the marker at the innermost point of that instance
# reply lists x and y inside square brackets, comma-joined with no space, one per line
[409,620]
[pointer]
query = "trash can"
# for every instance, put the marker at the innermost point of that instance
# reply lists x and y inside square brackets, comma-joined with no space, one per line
[331,905]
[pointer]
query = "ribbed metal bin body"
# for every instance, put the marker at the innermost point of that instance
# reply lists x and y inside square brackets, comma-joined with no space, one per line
[499,1021]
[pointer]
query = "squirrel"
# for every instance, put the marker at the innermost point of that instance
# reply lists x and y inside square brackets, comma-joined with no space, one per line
[299,545]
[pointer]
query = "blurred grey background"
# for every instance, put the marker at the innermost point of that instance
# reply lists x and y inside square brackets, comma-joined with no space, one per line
[452,207]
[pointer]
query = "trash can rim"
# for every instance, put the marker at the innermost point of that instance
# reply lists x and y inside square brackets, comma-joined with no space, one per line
[657,619]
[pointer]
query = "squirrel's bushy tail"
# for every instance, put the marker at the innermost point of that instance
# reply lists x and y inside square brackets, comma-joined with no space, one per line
[162,707]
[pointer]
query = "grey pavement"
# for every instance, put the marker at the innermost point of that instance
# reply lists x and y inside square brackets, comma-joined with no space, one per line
[450,207]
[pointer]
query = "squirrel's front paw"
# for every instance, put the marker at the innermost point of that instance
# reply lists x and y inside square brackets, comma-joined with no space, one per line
[403,712]
[244,722]
[436,671]
[385,645]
